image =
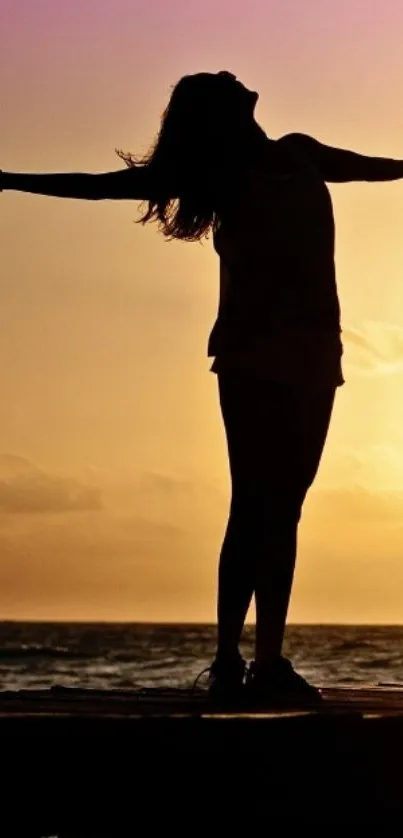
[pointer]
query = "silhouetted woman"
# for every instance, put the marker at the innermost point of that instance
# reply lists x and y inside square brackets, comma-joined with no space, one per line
[276,341]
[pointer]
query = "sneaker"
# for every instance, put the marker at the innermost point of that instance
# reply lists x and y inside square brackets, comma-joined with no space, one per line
[278,685]
[226,680]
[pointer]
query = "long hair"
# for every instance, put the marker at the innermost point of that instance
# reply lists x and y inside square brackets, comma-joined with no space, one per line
[197,156]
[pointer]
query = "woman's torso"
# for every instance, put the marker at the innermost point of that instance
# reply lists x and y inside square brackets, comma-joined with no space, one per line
[279,307]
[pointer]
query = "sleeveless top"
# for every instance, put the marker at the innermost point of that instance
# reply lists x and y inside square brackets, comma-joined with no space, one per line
[279,313]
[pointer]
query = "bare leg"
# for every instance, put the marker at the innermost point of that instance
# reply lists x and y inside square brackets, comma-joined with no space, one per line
[235,585]
[275,565]
[236,570]
[275,440]
[300,432]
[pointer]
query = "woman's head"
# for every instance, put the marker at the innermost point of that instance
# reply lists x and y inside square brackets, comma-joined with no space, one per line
[206,134]
[212,103]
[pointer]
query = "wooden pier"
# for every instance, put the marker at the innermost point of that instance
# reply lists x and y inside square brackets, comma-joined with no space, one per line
[90,763]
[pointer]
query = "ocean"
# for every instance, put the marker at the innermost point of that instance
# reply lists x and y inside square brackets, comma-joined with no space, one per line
[125,656]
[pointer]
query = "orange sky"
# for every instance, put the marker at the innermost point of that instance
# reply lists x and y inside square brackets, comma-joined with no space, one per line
[113,470]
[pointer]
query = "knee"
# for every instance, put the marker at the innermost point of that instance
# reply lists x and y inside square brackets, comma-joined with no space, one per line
[283,511]
[279,508]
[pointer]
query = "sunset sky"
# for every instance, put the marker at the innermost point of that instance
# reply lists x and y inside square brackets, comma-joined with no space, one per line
[114,484]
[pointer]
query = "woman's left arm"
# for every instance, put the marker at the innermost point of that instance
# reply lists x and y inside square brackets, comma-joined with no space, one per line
[338,165]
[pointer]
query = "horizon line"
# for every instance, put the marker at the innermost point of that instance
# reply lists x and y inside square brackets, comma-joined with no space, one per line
[190,623]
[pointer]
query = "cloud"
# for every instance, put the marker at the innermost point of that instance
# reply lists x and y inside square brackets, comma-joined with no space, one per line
[151,552]
[104,565]
[12,465]
[357,505]
[186,499]
[375,348]
[25,488]
[375,467]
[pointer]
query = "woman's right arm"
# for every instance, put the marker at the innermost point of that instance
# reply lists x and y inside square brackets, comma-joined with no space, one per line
[130,183]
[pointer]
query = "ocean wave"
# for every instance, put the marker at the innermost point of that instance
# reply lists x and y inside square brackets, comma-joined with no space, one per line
[352,646]
[38,651]
[107,656]
[377,663]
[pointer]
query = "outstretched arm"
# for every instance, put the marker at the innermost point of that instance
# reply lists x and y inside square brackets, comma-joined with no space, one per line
[131,183]
[338,165]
